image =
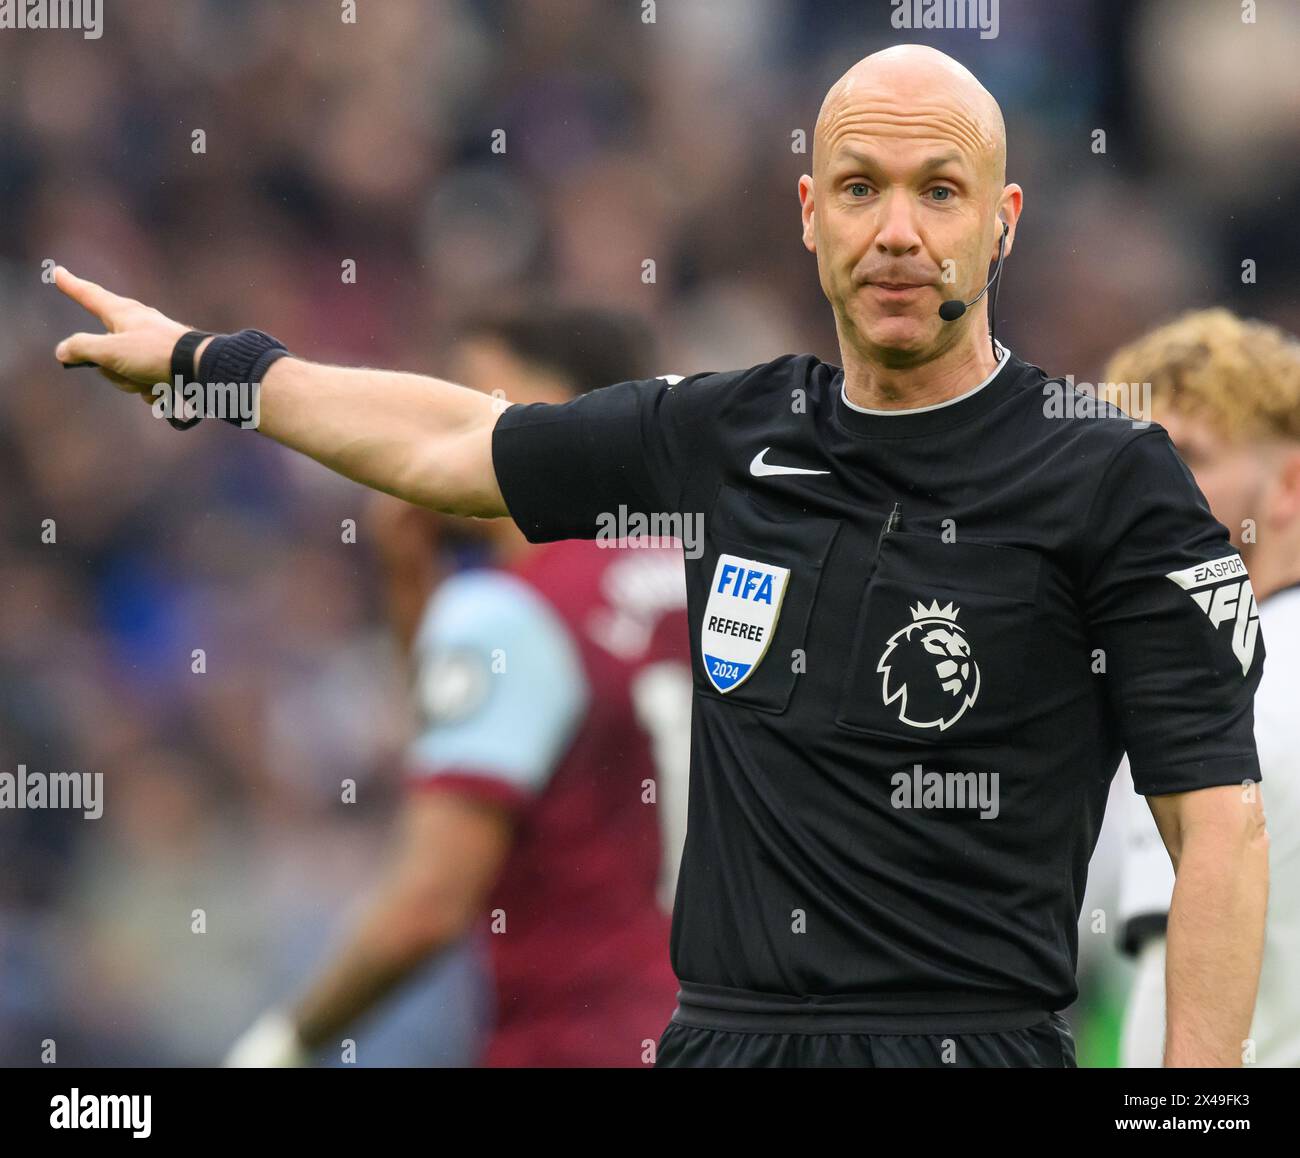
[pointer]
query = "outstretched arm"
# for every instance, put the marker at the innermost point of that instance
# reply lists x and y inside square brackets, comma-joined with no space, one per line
[421,439]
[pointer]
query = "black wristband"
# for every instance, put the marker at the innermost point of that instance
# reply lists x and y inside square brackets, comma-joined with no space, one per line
[182,367]
[236,360]
[239,360]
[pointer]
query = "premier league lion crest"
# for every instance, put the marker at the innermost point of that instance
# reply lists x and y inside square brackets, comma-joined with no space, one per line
[929,670]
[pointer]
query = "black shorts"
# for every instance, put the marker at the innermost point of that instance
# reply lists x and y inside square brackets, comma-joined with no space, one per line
[705,1036]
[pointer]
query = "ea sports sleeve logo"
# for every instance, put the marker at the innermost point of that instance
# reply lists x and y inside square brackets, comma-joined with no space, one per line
[1221,588]
[928,668]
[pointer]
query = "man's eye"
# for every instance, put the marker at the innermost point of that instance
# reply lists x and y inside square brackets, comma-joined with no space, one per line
[941,189]
[859,189]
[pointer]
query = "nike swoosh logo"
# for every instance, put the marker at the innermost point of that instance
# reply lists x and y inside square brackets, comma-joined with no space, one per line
[760,469]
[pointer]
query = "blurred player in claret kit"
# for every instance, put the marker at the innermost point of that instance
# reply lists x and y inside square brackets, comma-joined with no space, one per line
[1228,392]
[545,684]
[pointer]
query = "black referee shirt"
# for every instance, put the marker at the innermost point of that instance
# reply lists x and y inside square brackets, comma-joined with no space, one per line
[905,727]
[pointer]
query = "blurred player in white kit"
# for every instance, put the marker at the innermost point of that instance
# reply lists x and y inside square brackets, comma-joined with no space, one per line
[1228,392]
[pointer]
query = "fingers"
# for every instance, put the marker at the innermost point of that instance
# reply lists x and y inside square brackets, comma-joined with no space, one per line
[88,295]
[83,348]
[90,350]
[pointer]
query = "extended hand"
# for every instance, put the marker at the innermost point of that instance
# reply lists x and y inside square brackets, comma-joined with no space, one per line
[135,354]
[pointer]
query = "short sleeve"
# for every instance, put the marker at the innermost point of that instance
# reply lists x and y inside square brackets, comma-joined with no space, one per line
[1170,608]
[566,468]
[500,689]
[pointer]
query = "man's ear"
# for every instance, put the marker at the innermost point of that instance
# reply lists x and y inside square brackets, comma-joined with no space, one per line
[806,190]
[1009,215]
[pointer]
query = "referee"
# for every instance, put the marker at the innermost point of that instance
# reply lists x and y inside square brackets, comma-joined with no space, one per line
[937,597]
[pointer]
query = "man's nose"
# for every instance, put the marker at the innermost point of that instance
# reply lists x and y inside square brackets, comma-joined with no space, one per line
[897,235]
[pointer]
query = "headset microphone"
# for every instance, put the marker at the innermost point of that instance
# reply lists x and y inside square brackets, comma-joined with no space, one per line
[951,310]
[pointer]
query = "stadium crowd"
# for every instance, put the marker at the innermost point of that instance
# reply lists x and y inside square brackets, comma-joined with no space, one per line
[196,620]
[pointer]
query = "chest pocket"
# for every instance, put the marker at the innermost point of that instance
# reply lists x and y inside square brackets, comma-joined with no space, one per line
[744,543]
[943,642]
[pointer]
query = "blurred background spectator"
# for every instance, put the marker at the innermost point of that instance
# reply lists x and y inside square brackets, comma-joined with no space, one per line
[618,142]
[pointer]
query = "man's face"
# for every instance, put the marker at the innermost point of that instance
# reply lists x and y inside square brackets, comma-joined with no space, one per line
[903,214]
[1231,475]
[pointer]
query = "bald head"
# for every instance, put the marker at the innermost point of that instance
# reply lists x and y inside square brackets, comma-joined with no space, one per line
[908,205]
[912,90]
